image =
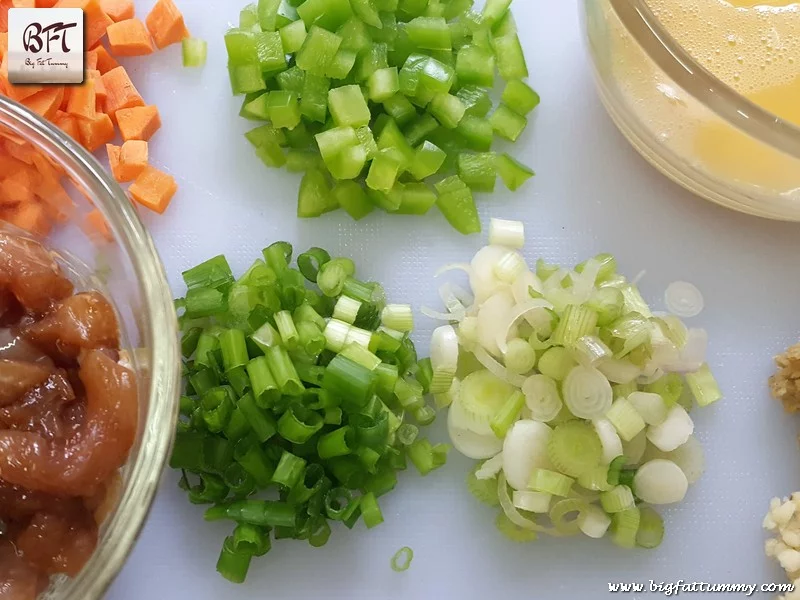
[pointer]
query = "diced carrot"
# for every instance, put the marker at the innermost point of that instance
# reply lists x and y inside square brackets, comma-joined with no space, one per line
[10,165]
[121,93]
[153,189]
[20,187]
[45,3]
[24,3]
[90,61]
[55,199]
[105,62]
[113,161]
[4,6]
[20,92]
[3,43]
[68,124]
[165,24]
[118,10]
[23,152]
[96,224]
[83,100]
[96,21]
[129,38]
[46,102]
[138,123]
[96,132]
[133,159]
[99,87]
[30,216]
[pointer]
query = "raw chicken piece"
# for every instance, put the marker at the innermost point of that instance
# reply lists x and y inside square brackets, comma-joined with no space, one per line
[17,377]
[30,272]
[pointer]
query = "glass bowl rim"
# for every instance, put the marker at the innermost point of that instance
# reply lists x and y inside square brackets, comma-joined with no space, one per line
[121,530]
[664,50]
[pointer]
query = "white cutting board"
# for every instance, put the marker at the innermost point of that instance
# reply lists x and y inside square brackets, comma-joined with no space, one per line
[593,193]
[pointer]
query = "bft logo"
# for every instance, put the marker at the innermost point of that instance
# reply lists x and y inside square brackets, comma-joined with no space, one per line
[45,45]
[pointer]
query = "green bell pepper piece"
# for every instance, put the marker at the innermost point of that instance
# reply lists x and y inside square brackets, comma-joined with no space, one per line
[299,137]
[314,97]
[349,163]
[475,65]
[241,47]
[269,48]
[477,133]
[293,36]
[476,100]
[330,14]
[494,10]
[420,128]
[292,79]
[507,123]
[400,109]
[367,141]
[383,84]
[284,109]
[430,33]
[456,8]
[478,171]
[268,14]
[315,198]
[428,159]
[512,172]
[333,141]
[383,171]
[415,199]
[369,61]
[365,11]
[353,199]
[456,203]
[354,35]
[520,95]
[256,107]
[510,57]
[248,17]
[391,138]
[448,110]
[318,50]
[348,107]
[246,79]
[299,161]
[342,64]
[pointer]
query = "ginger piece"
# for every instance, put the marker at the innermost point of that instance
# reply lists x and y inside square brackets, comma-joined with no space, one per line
[785,384]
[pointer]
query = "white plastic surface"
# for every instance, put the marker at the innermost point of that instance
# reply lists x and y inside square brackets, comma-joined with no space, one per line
[593,193]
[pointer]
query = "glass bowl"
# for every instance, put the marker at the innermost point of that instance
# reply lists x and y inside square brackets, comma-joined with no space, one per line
[118,257]
[695,128]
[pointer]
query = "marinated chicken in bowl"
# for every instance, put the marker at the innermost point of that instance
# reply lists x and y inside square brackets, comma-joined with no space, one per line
[68,418]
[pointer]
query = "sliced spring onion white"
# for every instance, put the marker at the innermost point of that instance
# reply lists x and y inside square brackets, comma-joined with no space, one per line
[506,233]
[673,432]
[525,449]
[683,299]
[609,439]
[440,316]
[660,481]
[587,393]
[542,398]
[466,267]
[493,320]
[593,522]
[535,502]
[472,445]
[579,349]
[651,407]
[490,468]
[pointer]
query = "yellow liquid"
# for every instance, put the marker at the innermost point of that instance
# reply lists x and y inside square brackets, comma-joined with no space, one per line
[754,47]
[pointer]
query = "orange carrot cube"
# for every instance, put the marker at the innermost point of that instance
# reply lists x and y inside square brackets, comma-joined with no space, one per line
[129,38]
[153,189]
[138,123]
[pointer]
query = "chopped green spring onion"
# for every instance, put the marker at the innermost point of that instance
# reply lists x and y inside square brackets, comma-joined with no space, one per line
[401,561]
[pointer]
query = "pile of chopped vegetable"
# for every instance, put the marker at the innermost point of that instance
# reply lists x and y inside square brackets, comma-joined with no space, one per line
[297,401]
[107,102]
[379,97]
[574,393]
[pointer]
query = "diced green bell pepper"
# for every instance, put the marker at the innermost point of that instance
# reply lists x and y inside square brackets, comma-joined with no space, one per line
[430,33]
[353,199]
[387,32]
[410,74]
[299,161]
[507,123]
[482,38]
[299,137]
[475,65]
[333,141]
[512,172]
[388,202]
[520,96]
[456,203]
[348,107]
[256,107]
[369,61]
[447,109]
[246,79]
[456,8]
[367,141]
[268,14]
[434,9]
[268,142]
[459,33]
[330,14]
[349,163]
[365,11]
[315,198]
[292,36]
[284,109]
[420,128]
[494,10]
[241,47]
[342,64]
[248,17]
[383,171]
[475,99]
[292,79]
[505,26]
[477,132]
[383,84]
[391,138]
[478,171]
[400,109]
[510,57]
[287,13]
[318,51]
[411,8]
[314,97]
[387,5]
[428,159]
[354,35]
[436,77]
[416,199]
[269,48]
[402,47]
